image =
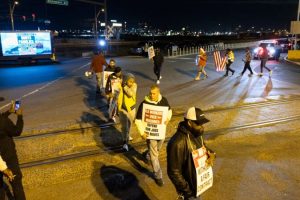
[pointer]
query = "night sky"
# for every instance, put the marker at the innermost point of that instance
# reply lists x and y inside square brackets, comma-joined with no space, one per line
[203,15]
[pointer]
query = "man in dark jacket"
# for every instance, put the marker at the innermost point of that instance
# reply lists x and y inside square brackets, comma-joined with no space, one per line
[154,145]
[180,164]
[8,130]
[158,60]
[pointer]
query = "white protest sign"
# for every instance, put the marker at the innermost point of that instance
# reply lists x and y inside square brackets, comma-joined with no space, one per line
[204,173]
[154,118]
[105,76]
[151,52]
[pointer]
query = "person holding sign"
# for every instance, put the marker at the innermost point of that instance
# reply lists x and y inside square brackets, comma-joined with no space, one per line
[189,160]
[112,90]
[152,118]
[126,104]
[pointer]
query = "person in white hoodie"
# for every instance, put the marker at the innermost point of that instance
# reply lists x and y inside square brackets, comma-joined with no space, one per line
[154,145]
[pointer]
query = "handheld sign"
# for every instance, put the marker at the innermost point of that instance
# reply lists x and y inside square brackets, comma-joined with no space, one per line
[151,52]
[154,118]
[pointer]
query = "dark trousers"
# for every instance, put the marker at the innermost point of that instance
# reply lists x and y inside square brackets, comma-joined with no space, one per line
[263,65]
[247,66]
[157,69]
[16,184]
[228,67]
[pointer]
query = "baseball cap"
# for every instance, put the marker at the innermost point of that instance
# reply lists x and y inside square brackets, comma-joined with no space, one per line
[196,115]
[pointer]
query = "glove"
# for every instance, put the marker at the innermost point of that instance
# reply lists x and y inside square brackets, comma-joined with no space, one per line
[211,158]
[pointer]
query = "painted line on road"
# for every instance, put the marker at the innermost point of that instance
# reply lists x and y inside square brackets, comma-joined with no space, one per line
[46,85]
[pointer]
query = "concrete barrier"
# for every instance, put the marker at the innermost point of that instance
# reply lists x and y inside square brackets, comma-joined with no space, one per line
[294,55]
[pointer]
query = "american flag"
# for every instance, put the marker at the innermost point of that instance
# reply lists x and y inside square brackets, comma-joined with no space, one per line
[219,61]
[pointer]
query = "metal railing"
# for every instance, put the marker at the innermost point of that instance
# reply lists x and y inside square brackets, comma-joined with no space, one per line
[176,51]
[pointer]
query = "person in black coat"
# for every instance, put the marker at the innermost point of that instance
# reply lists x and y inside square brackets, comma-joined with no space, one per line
[8,130]
[158,60]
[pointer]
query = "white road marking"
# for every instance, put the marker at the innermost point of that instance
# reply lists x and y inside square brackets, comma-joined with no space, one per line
[46,85]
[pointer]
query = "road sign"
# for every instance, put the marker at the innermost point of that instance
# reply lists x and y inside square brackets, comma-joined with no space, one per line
[58,2]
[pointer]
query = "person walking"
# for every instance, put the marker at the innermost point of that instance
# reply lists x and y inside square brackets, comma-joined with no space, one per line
[183,145]
[97,64]
[158,60]
[154,145]
[201,63]
[247,61]
[230,59]
[8,130]
[126,104]
[112,90]
[264,56]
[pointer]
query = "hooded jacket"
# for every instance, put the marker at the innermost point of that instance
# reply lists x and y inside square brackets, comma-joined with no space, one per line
[127,96]
[180,165]
[162,101]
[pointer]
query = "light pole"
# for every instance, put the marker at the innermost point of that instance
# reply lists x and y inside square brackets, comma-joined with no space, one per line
[11,13]
[298,13]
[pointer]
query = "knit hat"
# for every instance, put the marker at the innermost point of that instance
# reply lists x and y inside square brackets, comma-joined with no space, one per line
[128,76]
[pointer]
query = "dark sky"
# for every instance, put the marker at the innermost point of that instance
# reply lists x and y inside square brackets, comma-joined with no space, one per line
[166,14]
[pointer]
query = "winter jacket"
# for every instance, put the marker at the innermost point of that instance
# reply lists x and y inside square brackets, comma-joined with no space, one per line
[180,165]
[230,56]
[110,68]
[162,101]
[8,130]
[97,63]
[263,53]
[158,59]
[202,60]
[127,98]
[248,56]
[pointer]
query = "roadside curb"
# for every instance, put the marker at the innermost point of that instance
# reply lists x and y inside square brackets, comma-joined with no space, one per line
[290,61]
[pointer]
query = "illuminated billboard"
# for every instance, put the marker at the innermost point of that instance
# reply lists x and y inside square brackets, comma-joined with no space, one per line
[25,43]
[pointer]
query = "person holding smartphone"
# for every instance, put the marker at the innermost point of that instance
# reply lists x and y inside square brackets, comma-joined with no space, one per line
[8,130]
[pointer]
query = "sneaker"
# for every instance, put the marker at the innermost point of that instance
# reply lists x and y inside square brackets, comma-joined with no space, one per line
[197,78]
[225,75]
[160,77]
[159,182]
[250,75]
[233,73]
[270,73]
[205,77]
[157,82]
[260,74]
[130,138]
[125,147]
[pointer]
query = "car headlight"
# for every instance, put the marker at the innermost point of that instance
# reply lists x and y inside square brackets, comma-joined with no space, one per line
[255,50]
[272,51]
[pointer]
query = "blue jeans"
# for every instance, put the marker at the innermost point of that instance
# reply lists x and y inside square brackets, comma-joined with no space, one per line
[154,146]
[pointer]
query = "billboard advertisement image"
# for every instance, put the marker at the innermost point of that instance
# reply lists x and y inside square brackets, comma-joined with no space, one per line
[25,43]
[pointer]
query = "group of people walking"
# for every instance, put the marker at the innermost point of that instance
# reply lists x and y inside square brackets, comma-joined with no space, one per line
[121,91]
[263,53]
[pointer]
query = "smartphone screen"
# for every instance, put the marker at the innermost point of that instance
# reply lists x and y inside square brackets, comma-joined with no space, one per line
[17,105]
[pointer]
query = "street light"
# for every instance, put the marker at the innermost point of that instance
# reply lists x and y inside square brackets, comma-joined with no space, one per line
[11,13]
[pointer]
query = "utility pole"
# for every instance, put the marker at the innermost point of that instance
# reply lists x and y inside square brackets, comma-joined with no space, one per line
[11,13]
[105,16]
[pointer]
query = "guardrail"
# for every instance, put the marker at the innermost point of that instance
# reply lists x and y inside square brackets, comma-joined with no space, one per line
[176,51]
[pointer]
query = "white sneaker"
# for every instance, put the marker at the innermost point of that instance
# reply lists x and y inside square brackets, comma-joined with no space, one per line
[270,73]
[197,78]
[160,77]
[157,82]
[125,147]
[130,138]
[260,74]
